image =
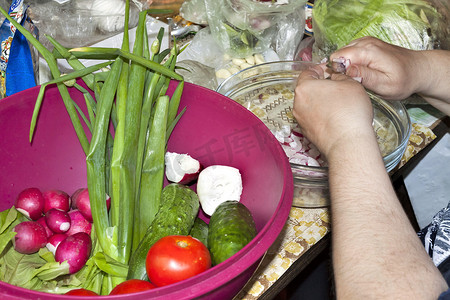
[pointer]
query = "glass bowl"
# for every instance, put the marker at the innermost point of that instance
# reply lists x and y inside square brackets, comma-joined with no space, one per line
[268,91]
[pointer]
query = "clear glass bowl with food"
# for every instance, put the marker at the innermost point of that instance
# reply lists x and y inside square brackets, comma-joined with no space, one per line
[268,91]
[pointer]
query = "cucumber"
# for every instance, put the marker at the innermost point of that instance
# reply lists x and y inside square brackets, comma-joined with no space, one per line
[177,212]
[200,231]
[231,227]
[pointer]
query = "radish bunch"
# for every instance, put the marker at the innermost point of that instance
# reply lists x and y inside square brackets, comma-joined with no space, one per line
[60,222]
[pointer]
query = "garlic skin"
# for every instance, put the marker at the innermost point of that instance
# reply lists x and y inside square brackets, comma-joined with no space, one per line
[217,184]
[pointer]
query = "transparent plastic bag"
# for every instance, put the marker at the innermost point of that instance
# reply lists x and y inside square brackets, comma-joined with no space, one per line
[76,23]
[194,11]
[413,24]
[245,27]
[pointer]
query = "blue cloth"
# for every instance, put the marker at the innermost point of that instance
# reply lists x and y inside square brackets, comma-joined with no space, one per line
[16,65]
[20,70]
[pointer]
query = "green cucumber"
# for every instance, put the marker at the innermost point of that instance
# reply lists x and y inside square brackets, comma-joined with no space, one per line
[177,212]
[200,231]
[231,227]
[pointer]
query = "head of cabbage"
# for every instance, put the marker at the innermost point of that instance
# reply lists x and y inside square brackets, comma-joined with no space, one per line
[413,24]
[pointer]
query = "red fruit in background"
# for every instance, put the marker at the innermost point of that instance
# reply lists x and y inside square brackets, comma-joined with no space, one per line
[81,292]
[131,286]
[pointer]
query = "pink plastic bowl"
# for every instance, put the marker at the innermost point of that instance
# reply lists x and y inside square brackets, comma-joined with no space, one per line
[214,129]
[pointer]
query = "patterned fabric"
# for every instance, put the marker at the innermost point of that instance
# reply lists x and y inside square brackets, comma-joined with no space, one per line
[16,65]
[436,239]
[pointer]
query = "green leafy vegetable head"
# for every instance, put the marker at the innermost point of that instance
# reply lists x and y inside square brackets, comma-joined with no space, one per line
[413,24]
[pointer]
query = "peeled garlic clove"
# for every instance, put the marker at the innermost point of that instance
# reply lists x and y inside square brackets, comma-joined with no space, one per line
[238,61]
[259,59]
[217,184]
[223,73]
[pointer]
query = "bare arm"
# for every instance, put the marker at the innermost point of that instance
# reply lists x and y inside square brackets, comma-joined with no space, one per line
[376,253]
[396,73]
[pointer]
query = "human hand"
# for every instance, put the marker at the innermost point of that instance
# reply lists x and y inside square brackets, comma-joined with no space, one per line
[331,112]
[390,71]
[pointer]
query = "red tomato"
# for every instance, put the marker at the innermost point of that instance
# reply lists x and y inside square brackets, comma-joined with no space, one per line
[131,286]
[174,258]
[81,292]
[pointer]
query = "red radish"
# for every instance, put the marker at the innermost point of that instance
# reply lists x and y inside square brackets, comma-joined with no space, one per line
[30,202]
[54,241]
[75,249]
[73,196]
[78,223]
[217,184]
[42,221]
[30,237]
[181,168]
[83,204]
[57,220]
[56,199]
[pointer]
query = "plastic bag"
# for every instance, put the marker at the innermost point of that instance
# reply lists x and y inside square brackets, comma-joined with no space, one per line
[194,11]
[211,58]
[76,23]
[413,24]
[245,27]
[197,73]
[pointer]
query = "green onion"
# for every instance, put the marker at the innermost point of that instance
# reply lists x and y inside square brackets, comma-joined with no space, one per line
[153,168]
[96,163]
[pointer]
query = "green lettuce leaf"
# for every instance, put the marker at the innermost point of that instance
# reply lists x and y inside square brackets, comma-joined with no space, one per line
[52,270]
[412,24]
[18,269]
[109,265]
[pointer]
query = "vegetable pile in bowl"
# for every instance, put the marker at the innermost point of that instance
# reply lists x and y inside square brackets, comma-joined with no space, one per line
[107,137]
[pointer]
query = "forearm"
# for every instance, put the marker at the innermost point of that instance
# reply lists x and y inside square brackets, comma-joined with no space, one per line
[434,78]
[376,252]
